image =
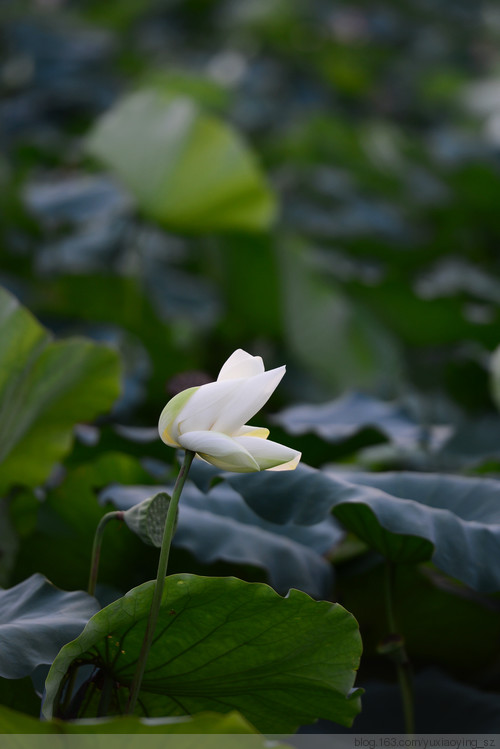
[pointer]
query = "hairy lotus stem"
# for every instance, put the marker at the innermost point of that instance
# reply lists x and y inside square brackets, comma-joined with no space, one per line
[160,581]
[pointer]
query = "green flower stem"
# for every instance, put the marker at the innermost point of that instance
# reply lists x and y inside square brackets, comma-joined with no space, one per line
[395,649]
[160,581]
[96,549]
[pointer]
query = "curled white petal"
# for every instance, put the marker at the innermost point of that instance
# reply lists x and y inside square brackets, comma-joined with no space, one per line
[220,450]
[270,455]
[246,400]
[241,364]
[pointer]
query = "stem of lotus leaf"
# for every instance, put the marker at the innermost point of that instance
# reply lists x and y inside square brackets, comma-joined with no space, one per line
[394,647]
[160,582]
[96,548]
[94,570]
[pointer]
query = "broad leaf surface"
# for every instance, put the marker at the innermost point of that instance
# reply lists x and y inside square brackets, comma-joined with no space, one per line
[407,517]
[45,388]
[36,620]
[223,644]
[459,516]
[185,168]
[220,525]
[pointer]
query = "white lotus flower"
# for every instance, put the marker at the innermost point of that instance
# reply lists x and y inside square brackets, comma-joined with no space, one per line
[211,419]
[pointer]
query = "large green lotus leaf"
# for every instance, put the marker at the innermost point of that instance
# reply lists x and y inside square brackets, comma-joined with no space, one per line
[12,721]
[408,517]
[220,525]
[224,644]
[459,516]
[45,388]
[36,620]
[186,169]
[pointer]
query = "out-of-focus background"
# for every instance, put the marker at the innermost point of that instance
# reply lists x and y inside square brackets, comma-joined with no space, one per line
[319,184]
[316,182]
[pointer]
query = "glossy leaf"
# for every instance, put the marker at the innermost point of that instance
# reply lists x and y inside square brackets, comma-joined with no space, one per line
[224,644]
[185,168]
[36,620]
[45,388]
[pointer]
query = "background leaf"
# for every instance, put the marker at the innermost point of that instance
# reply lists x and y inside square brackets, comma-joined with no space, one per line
[454,520]
[185,168]
[45,388]
[36,620]
[344,417]
[220,525]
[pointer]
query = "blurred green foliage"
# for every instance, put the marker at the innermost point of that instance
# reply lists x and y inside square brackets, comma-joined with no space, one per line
[314,182]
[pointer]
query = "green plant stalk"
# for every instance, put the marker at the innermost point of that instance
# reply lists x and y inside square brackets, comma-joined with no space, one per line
[94,570]
[168,533]
[96,548]
[399,654]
